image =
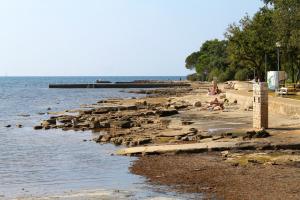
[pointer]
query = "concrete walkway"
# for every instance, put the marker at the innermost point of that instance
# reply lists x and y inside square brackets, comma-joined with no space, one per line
[259,144]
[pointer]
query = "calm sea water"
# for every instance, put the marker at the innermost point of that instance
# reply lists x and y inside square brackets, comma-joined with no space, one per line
[37,163]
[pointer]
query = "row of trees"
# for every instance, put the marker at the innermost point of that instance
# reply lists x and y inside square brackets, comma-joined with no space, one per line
[250,46]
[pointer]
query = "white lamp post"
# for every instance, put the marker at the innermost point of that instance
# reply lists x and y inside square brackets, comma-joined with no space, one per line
[278,45]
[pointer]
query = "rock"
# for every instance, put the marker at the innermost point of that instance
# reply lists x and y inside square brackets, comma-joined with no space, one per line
[94,124]
[132,144]
[166,113]
[121,108]
[51,121]
[102,101]
[141,103]
[234,164]
[193,130]
[142,141]
[198,104]
[262,134]
[8,126]
[225,153]
[178,137]
[85,112]
[83,125]
[41,113]
[103,139]
[187,122]
[48,122]
[104,125]
[257,134]
[222,96]
[24,115]
[117,141]
[19,125]
[217,137]
[97,124]
[180,106]
[185,138]
[235,101]
[122,124]
[65,119]
[254,161]
[49,108]
[45,123]
[38,127]
[249,108]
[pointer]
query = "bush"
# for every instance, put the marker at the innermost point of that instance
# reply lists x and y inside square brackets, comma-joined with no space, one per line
[194,77]
[226,76]
[241,75]
[214,73]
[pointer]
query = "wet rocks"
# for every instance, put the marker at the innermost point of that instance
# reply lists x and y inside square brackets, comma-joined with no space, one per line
[24,115]
[64,119]
[48,123]
[185,123]
[38,127]
[98,125]
[197,104]
[256,134]
[122,124]
[8,126]
[167,112]
[19,125]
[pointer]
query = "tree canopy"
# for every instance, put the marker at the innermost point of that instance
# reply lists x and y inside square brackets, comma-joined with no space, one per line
[249,48]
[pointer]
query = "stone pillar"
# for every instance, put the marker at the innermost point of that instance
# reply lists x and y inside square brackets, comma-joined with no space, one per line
[260,105]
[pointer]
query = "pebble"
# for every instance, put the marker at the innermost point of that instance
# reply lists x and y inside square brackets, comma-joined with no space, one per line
[19,125]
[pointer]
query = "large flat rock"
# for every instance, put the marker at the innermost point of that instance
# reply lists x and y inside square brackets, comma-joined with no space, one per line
[207,146]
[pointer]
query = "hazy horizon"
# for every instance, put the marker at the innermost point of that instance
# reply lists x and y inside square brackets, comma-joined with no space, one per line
[110,37]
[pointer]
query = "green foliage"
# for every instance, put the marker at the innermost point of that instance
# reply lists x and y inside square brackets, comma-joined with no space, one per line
[251,39]
[252,42]
[191,60]
[210,60]
[242,74]
[194,77]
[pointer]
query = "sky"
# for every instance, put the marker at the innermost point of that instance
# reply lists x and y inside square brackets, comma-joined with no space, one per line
[110,37]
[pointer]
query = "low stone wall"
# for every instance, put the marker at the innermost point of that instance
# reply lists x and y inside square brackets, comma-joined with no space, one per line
[280,105]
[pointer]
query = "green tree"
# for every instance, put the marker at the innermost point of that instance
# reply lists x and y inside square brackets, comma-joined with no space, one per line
[212,55]
[191,60]
[211,61]
[251,40]
[287,27]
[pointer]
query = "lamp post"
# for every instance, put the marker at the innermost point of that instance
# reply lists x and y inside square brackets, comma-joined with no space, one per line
[278,45]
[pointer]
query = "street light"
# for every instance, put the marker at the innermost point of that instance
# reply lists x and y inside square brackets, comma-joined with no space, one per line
[278,45]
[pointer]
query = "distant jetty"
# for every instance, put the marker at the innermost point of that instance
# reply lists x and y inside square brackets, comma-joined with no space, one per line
[133,84]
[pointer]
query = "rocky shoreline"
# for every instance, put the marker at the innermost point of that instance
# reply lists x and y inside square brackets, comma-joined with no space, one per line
[181,116]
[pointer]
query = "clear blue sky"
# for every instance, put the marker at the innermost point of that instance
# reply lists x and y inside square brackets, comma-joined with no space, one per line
[110,37]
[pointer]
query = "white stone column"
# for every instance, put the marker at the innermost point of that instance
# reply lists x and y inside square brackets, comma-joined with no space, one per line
[260,105]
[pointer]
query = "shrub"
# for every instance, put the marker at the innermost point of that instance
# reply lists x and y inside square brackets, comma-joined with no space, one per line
[194,77]
[241,75]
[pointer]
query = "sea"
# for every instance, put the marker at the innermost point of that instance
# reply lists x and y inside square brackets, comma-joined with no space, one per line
[41,163]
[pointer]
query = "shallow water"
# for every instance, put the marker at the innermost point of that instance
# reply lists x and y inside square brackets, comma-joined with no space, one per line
[43,163]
